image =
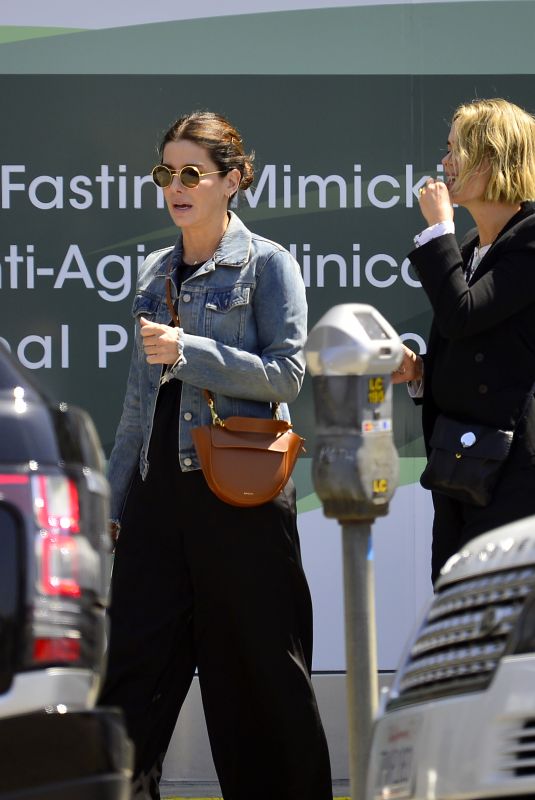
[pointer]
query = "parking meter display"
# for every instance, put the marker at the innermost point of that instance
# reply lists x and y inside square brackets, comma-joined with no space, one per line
[372,326]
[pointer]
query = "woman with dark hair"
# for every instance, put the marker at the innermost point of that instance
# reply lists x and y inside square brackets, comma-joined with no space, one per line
[480,365]
[197,583]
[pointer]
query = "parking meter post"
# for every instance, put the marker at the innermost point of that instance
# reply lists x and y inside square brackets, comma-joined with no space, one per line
[350,353]
[362,687]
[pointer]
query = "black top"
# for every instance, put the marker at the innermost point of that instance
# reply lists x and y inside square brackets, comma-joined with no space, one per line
[163,448]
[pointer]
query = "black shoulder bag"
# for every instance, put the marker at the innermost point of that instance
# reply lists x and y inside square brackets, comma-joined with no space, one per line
[466,459]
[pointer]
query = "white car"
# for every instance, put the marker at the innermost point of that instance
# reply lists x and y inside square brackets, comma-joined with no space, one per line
[459,720]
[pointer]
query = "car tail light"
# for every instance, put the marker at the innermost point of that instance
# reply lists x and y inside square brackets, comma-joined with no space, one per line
[57,509]
[59,566]
[15,489]
[63,566]
[13,480]
[56,650]
[57,513]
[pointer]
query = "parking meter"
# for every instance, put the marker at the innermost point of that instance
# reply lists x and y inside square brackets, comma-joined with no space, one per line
[350,354]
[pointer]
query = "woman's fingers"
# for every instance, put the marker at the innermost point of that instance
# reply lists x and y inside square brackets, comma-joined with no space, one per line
[435,203]
[148,328]
[159,342]
[410,368]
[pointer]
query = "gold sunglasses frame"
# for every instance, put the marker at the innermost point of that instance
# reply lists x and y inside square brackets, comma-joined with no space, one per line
[177,173]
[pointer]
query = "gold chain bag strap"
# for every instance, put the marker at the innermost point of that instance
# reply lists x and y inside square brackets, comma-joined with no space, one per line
[246,461]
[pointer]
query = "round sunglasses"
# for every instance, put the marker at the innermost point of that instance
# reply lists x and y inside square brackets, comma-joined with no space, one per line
[189,176]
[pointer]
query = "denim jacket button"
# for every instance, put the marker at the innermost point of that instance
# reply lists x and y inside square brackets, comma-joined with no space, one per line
[186,298]
[187,416]
[187,462]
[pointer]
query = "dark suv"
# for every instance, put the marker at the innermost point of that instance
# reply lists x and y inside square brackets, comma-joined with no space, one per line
[54,568]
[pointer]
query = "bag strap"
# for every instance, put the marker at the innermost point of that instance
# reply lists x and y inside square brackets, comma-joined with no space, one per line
[168,299]
[216,419]
[525,407]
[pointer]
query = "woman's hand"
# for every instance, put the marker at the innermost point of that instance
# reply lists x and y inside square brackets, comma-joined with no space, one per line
[160,342]
[410,369]
[114,529]
[435,203]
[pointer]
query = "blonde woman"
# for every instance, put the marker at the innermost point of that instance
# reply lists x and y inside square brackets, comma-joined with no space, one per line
[480,362]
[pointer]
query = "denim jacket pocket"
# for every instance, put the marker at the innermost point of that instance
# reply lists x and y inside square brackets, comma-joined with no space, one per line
[226,312]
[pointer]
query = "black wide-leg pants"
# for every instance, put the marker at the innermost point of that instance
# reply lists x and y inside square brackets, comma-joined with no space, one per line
[201,584]
[455,524]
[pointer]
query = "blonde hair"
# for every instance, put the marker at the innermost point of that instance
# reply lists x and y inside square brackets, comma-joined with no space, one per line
[498,136]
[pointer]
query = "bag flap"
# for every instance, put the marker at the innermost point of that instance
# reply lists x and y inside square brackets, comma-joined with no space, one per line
[257,425]
[470,440]
[227,438]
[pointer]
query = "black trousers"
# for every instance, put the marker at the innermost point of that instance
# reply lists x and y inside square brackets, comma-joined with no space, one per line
[200,584]
[455,524]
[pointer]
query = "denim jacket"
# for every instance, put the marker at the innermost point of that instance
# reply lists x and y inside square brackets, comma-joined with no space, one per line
[244,315]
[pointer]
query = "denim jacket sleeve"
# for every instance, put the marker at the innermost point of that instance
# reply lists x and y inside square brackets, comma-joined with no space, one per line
[274,370]
[124,458]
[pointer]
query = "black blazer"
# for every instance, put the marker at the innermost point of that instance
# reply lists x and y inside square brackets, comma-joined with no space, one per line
[480,363]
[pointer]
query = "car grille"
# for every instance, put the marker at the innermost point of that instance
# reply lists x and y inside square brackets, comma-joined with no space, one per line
[463,637]
[518,751]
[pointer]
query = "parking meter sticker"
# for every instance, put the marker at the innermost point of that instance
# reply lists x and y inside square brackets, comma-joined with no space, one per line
[376,390]
[374,425]
[380,486]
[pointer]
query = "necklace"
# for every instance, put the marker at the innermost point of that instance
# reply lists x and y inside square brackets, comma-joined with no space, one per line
[198,261]
[476,259]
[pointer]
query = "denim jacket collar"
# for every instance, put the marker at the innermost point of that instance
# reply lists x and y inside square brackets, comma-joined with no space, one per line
[233,249]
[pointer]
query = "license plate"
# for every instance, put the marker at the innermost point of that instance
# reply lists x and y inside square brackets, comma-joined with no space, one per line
[395,775]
